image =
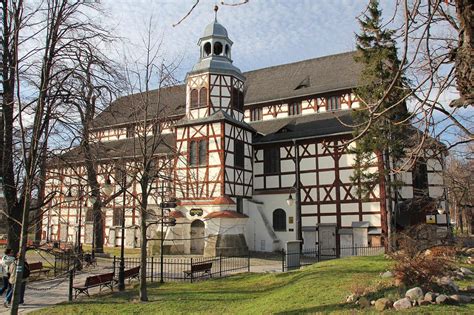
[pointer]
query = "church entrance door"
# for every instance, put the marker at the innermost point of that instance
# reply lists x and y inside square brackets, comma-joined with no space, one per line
[197,237]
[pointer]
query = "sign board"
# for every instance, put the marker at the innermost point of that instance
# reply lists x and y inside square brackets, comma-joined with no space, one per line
[196,211]
[431,219]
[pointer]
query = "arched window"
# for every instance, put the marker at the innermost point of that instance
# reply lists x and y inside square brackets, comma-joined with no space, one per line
[227,50]
[279,220]
[194,98]
[203,97]
[207,49]
[218,48]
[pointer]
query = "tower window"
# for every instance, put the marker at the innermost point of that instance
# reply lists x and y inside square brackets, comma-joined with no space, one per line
[237,99]
[279,220]
[218,48]
[197,152]
[294,108]
[207,49]
[239,156]
[271,160]
[194,98]
[227,50]
[334,103]
[256,114]
[203,97]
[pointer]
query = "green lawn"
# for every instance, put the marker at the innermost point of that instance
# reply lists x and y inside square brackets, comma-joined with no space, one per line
[317,288]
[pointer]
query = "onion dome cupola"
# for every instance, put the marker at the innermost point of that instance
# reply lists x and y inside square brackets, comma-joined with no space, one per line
[215,51]
[215,84]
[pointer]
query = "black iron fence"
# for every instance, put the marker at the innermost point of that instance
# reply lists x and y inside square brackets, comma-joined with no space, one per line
[290,261]
[187,269]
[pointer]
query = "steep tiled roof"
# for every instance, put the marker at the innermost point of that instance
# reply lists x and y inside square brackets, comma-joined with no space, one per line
[305,126]
[307,77]
[124,148]
[312,76]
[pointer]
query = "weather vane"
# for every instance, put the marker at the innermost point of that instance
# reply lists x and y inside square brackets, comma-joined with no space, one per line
[216,8]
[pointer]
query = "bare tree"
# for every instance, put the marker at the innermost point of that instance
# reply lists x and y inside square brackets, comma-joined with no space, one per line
[150,114]
[35,39]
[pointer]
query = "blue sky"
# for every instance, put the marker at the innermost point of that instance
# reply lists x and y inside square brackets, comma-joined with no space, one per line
[265,32]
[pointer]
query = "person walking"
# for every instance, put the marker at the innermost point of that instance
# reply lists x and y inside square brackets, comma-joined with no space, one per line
[12,280]
[5,263]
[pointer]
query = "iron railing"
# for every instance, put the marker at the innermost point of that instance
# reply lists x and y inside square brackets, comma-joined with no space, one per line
[295,260]
[177,269]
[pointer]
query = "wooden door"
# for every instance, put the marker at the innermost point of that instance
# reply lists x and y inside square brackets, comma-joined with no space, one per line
[197,237]
[327,241]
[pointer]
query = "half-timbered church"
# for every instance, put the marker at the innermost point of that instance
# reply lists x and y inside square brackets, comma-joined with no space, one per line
[257,160]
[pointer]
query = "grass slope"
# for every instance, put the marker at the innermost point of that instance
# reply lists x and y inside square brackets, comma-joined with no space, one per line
[318,288]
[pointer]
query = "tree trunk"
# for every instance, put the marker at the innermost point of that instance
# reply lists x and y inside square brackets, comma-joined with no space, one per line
[143,245]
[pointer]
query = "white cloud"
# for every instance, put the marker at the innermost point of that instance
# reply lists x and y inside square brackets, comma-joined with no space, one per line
[265,33]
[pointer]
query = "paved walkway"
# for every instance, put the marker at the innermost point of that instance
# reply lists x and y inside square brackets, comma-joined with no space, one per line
[44,293]
[40,294]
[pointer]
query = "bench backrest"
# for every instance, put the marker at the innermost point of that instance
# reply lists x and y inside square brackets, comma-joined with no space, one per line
[99,279]
[201,267]
[132,272]
[36,266]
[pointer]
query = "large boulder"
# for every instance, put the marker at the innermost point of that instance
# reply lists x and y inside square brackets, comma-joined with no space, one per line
[458,298]
[414,294]
[383,304]
[431,296]
[449,283]
[466,272]
[402,304]
[441,299]
[387,274]
[363,302]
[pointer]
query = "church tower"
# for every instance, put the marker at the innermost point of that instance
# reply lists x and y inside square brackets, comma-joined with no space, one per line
[213,174]
[215,83]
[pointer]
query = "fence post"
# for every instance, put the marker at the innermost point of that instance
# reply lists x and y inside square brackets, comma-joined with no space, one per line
[191,269]
[248,262]
[282,260]
[71,280]
[319,254]
[220,265]
[114,265]
[152,268]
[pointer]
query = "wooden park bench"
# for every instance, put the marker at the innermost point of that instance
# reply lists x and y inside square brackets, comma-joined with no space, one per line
[104,280]
[204,267]
[132,273]
[37,268]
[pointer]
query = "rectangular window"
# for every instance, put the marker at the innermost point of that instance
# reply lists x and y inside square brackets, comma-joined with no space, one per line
[117,217]
[130,131]
[197,152]
[193,153]
[271,160]
[294,109]
[203,152]
[334,103]
[239,205]
[239,155]
[256,114]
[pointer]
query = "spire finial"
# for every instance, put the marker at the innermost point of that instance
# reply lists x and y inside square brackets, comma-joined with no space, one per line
[216,8]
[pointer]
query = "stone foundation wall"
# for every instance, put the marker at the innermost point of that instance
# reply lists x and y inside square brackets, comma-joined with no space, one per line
[226,245]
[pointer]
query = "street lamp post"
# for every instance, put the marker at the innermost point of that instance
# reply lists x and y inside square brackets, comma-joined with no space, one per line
[290,201]
[121,285]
